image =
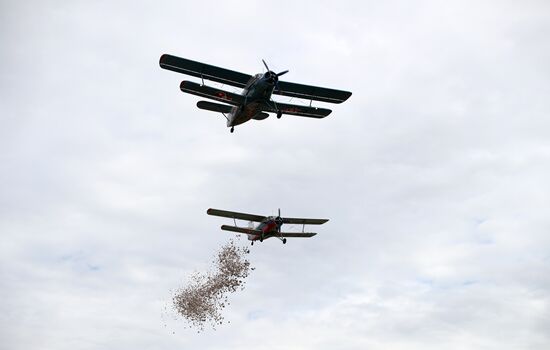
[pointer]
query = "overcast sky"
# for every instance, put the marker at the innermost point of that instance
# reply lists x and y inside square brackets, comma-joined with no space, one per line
[434,174]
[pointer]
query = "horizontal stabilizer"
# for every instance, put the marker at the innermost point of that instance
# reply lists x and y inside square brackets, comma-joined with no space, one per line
[301,111]
[204,71]
[260,116]
[245,230]
[214,107]
[211,92]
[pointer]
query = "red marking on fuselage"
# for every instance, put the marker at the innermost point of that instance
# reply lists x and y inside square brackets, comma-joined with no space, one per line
[270,226]
[223,96]
[291,110]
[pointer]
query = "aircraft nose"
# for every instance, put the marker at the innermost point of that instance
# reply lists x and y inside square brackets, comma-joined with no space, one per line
[270,78]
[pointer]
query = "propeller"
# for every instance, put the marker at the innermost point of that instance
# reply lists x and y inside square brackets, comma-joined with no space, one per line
[265,64]
[279,221]
[274,77]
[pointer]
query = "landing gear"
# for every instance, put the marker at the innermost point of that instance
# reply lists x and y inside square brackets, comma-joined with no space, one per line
[232,129]
[252,243]
[279,114]
[261,239]
[284,240]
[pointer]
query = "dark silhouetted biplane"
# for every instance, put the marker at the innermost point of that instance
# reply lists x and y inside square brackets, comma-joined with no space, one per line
[255,101]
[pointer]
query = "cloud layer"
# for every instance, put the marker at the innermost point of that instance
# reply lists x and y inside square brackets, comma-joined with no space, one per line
[434,175]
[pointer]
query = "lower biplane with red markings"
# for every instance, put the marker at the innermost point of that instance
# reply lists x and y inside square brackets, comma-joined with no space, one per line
[255,101]
[267,227]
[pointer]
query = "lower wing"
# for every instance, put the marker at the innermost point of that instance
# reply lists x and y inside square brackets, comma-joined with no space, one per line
[301,111]
[296,234]
[248,231]
[211,92]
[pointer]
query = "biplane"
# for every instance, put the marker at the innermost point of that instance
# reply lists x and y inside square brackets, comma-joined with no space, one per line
[268,226]
[255,101]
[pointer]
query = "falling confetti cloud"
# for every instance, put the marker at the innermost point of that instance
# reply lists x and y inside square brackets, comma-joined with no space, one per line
[201,301]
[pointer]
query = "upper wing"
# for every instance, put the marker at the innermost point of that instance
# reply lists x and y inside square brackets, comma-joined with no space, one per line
[302,111]
[235,215]
[310,92]
[202,70]
[304,221]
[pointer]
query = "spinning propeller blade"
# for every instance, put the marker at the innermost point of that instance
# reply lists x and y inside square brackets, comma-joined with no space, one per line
[283,72]
[274,76]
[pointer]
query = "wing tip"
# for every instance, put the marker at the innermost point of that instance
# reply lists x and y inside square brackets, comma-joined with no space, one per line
[348,94]
[162,59]
[345,96]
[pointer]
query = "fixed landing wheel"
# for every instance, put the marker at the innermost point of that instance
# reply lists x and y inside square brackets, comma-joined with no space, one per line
[252,243]
[284,240]
[279,114]
[232,129]
[261,239]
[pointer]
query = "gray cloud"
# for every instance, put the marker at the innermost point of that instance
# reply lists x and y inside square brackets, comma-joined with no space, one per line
[434,175]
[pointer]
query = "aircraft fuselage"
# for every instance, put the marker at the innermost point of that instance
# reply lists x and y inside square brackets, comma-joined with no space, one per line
[257,92]
[269,228]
